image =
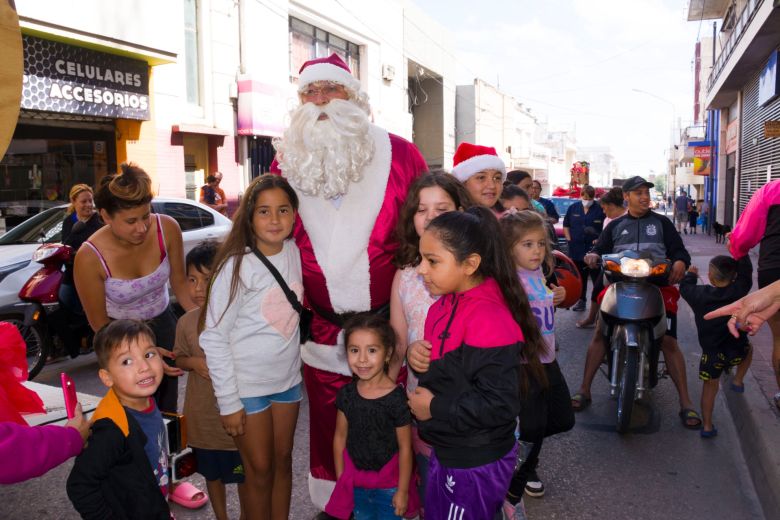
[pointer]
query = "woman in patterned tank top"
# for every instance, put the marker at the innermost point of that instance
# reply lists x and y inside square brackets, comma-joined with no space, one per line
[124,270]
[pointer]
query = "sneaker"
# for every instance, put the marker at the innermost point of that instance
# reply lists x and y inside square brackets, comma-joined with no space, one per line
[579,306]
[513,512]
[534,486]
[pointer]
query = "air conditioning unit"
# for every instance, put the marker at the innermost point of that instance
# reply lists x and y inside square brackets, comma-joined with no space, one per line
[388,72]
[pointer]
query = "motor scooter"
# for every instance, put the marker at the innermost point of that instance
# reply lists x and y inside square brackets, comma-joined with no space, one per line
[48,327]
[634,324]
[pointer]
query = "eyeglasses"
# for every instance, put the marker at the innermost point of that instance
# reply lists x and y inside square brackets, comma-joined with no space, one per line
[326,89]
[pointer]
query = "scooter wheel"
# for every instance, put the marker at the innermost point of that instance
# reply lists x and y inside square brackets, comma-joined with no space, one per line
[36,337]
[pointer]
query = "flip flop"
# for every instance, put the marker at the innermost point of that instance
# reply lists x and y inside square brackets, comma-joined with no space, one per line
[740,389]
[687,414]
[579,402]
[776,399]
[184,494]
[584,325]
[708,434]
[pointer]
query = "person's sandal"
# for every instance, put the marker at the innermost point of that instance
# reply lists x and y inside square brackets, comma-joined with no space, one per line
[709,434]
[579,402]
[184,494]
[777,400]
[686,415]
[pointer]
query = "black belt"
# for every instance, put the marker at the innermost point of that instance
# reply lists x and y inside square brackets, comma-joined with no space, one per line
[340,319]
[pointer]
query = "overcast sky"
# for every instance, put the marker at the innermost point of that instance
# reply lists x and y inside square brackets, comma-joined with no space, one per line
[575,62]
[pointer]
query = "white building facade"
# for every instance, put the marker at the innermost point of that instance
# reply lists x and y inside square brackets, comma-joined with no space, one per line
[217,79]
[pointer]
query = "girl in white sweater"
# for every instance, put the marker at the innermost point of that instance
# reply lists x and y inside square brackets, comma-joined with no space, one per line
[251,339]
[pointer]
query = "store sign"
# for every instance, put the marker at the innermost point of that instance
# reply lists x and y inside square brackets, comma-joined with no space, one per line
[261,109]
[771,129]
[732,131]
[769,82]
[701,160]
[74,80]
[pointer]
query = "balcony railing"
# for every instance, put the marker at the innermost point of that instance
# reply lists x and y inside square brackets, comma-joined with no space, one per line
[742,23]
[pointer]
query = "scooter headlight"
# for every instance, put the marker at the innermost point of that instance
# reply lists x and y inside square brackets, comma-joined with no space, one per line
[635,268]
[42,253]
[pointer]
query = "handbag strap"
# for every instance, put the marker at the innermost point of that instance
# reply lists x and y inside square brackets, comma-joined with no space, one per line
[291,296]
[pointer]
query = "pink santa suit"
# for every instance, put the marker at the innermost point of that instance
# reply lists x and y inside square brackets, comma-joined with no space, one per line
[347,250]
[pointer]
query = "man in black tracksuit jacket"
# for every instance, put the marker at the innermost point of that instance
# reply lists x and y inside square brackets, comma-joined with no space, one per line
[642,230]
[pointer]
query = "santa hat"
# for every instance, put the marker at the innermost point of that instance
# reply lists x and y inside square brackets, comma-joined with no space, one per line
[471,159]
[331,68]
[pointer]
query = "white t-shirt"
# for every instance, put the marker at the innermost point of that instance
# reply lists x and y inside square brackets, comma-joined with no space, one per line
[253,349]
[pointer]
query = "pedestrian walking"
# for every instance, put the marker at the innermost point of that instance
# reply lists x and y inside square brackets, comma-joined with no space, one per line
[681,203]
[729,281]
[251,338]
[693,217]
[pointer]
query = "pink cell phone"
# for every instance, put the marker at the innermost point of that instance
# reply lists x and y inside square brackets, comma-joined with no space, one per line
[69,391]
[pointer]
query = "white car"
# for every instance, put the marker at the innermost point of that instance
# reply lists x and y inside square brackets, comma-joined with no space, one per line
[197,222]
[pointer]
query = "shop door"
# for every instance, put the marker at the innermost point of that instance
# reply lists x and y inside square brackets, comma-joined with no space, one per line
[261,154]
[196,164]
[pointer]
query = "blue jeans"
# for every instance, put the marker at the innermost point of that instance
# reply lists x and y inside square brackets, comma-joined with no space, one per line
[374,504]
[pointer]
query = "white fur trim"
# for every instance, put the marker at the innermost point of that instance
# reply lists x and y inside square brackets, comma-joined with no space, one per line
[330,358]
[340,235]
[478,163]
[320,491]
[328,72]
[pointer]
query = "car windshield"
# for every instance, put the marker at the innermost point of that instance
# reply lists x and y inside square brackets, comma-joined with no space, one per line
[43,227]
[562,204]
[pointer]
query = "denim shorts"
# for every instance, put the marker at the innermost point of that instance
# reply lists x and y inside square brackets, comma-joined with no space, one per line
[263,403]
[376,504]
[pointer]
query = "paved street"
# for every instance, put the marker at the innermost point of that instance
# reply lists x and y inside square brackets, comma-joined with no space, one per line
[660,470]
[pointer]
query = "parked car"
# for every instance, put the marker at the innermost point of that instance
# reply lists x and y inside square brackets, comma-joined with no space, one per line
[197,221]
[15,212]
[561,206]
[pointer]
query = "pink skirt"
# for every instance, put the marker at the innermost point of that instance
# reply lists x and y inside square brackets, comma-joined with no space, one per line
[342,501]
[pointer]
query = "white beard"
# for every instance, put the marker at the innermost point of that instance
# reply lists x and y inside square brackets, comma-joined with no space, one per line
[321,157]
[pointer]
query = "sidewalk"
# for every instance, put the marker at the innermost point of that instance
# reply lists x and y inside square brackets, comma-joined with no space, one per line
[755,416]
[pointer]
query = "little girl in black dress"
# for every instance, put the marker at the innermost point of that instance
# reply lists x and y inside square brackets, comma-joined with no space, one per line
[373,440]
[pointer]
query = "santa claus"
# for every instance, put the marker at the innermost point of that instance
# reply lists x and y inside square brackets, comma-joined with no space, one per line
[351,177]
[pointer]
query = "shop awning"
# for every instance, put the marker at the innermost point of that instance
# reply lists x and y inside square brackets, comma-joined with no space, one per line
[199,129]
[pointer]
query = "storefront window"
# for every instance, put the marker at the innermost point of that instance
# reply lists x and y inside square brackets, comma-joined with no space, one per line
[308,42]
[36,173]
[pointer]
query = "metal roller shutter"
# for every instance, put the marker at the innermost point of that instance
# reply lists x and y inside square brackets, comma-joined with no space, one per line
[756,158]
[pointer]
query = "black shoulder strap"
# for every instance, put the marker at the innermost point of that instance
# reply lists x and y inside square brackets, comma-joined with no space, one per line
[291,297]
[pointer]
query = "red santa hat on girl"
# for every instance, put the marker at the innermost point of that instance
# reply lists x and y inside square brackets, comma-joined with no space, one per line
[471,159]
[331,68]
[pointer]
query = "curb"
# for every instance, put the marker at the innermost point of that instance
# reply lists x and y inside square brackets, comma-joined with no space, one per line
[758,429]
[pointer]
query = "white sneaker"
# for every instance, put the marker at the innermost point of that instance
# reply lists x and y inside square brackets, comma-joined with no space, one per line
[534,488]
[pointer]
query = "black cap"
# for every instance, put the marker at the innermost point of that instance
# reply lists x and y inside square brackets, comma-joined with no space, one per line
[634,183]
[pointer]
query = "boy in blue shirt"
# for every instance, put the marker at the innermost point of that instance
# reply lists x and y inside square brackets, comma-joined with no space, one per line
[123,471]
